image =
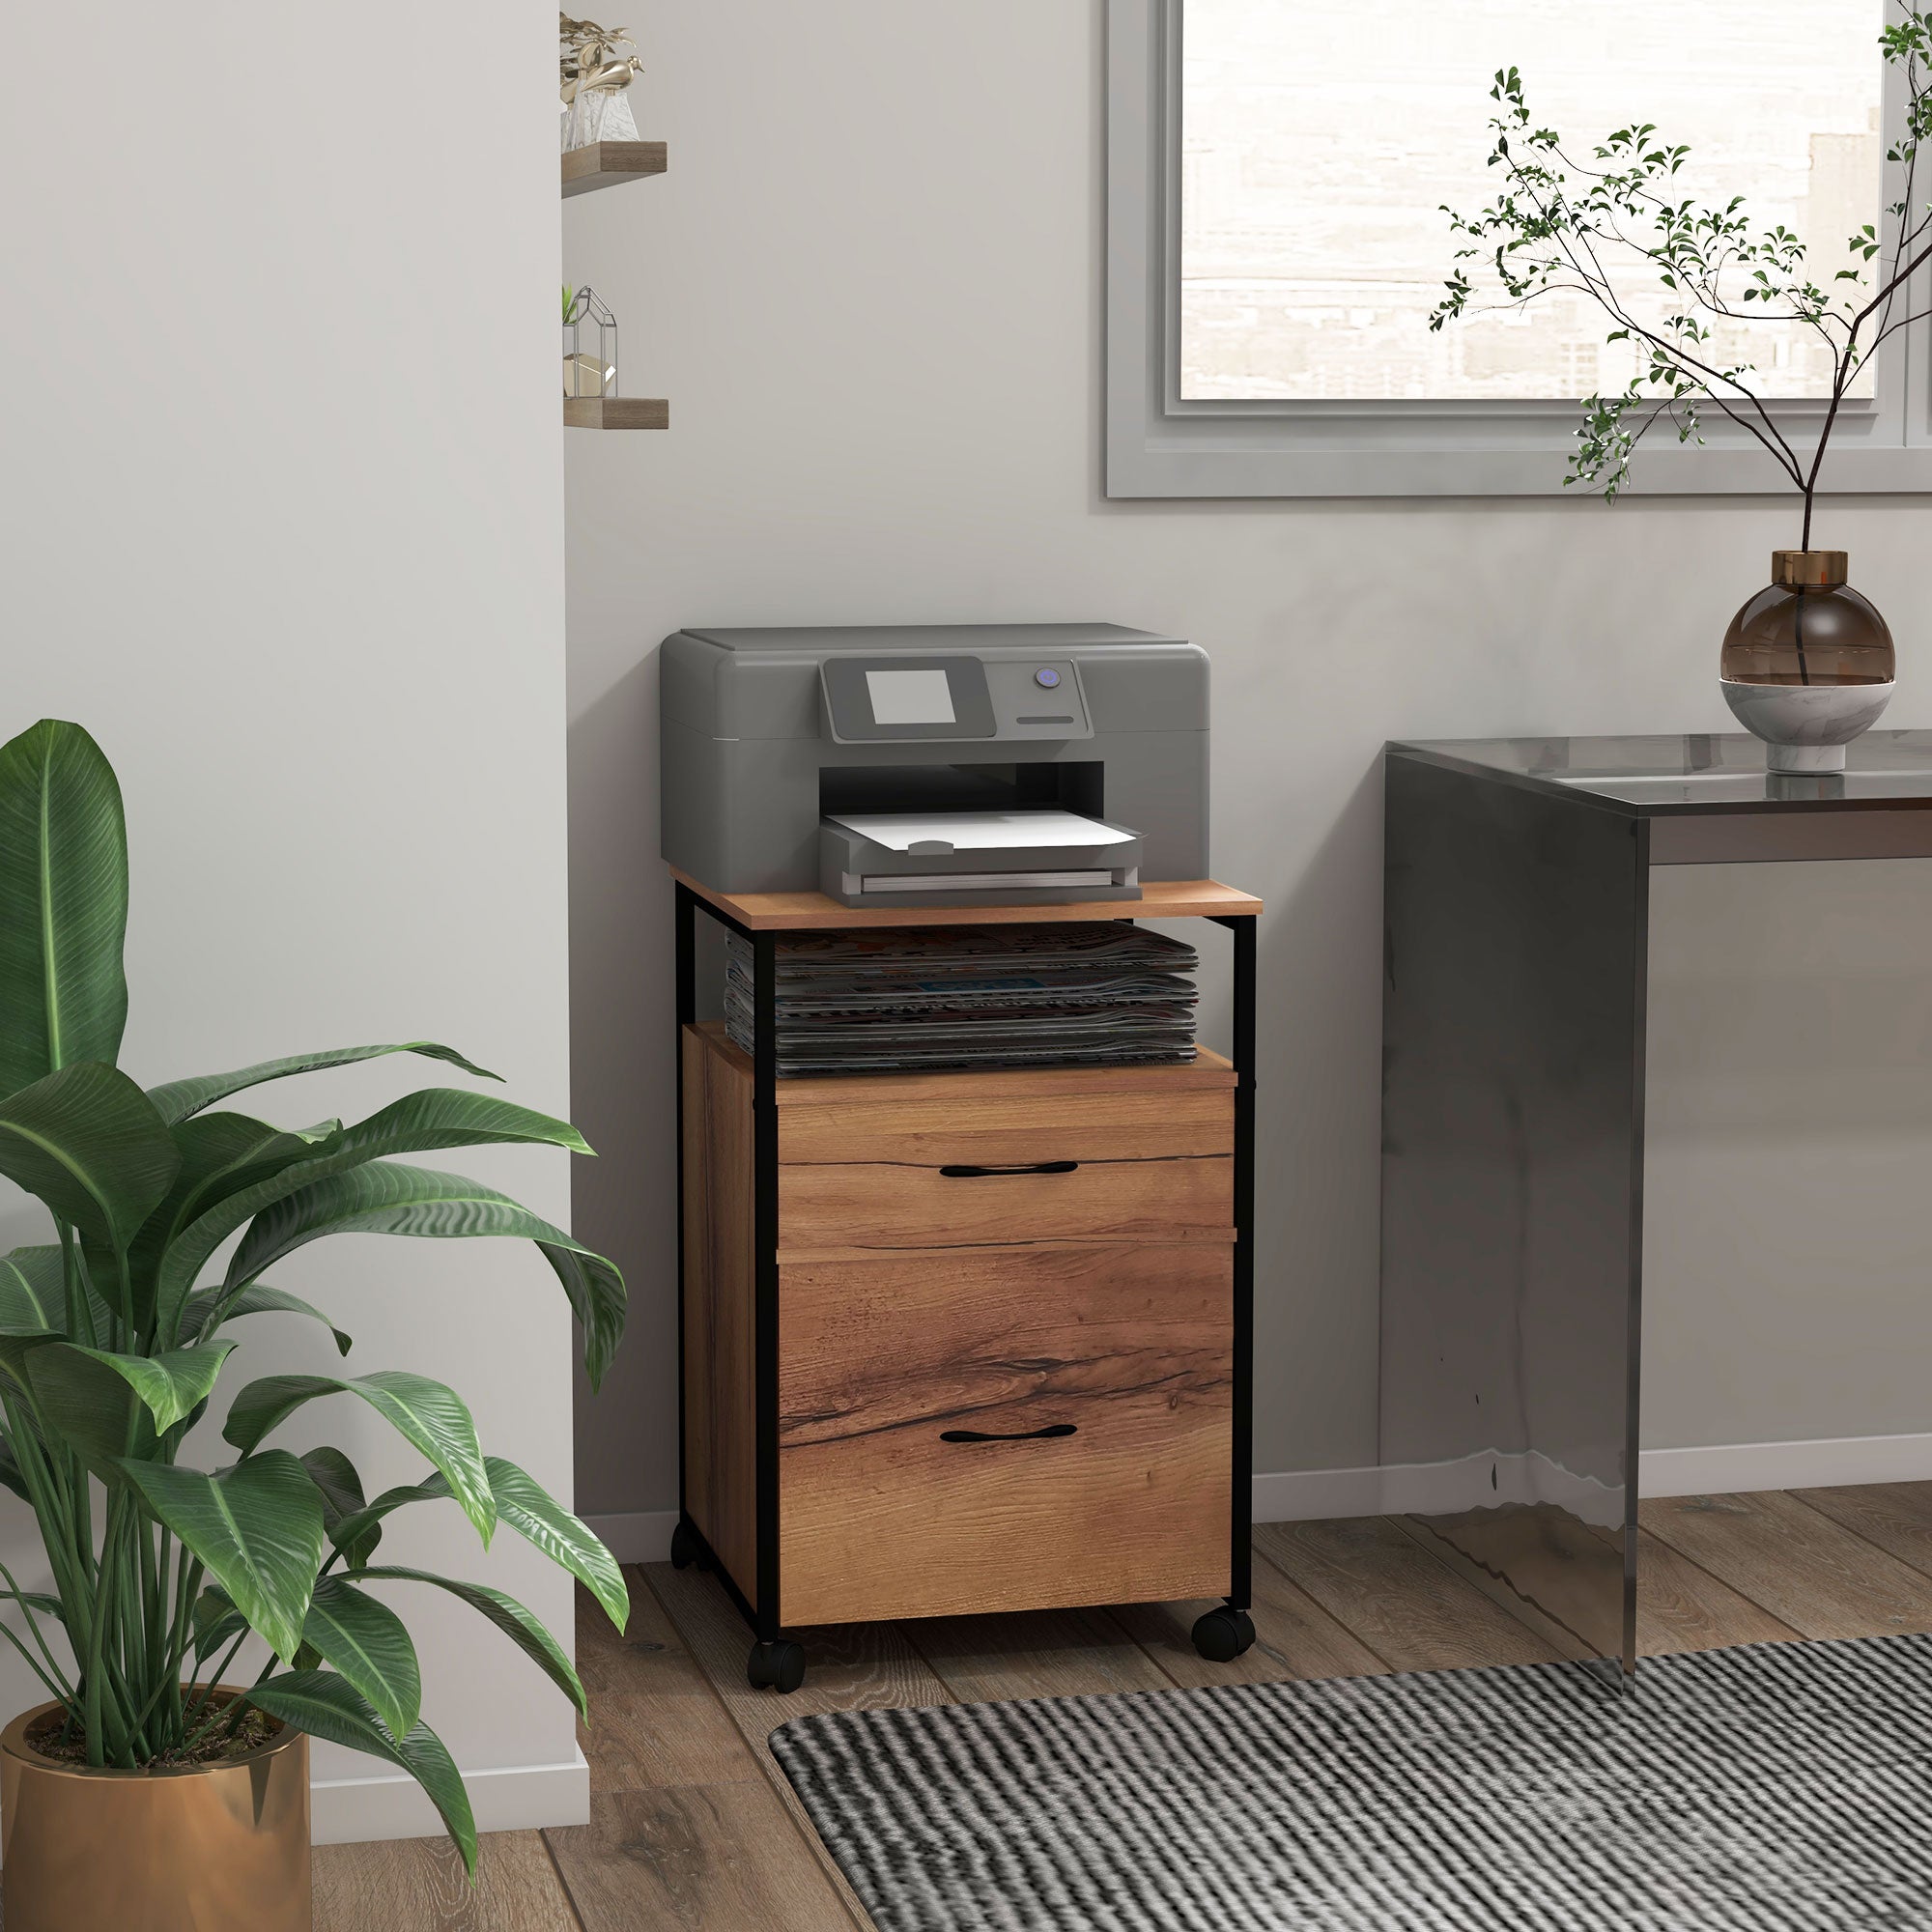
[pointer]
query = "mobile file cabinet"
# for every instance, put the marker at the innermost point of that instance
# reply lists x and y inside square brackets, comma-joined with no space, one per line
[962,1342]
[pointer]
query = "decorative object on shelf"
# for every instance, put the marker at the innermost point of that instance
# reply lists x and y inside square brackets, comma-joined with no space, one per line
[149,1777]
[594,71]
[1560,226]
[588,372]
[1808,663]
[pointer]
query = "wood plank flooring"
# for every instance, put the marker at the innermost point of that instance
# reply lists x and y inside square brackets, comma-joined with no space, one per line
[694,1829]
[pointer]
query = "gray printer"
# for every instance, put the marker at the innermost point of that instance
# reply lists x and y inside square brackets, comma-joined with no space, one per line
[932,765]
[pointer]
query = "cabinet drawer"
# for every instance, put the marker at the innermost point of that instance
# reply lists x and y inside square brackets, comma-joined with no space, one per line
[1138,1165]
[1123,1350]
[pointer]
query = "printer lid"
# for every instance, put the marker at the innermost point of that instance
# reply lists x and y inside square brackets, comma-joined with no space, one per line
[926,638]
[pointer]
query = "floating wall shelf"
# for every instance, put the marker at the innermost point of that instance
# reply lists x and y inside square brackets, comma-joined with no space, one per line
[615,412]
[606,163]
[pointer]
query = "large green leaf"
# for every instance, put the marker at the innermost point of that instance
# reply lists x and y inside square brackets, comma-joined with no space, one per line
[171,1385]
[63,904]
[220,1154]
[89,1405]
[366,1640]
[392,1199]
[179,1098]
[33,1288]
[509,1616]
[429,1414]
[439,1117]
[337,1480]
[216,1307]
[89,1144]
[324,1705]
[536,1516]
[359,1533]
[257,1529]
[217,1622]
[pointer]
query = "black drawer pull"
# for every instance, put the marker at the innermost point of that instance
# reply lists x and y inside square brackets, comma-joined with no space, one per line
[1046,1434]
[1035,1167]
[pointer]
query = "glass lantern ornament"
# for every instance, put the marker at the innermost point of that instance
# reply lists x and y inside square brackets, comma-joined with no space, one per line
[589,368]
[1808,663]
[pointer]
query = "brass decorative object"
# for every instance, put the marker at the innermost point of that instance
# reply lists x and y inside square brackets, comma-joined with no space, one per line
[220,1847]
[588,371]
[593,70]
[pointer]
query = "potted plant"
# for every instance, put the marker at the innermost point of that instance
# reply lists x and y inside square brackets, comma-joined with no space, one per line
[1808,663]
[148,1790]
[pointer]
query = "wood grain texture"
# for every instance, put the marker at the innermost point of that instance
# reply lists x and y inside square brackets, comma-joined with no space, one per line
[1005,1085]
[654,1718]
[419,1884]
[1809,1572]
[606,163]
[615,412]
[803,912]
[1130,1345]
[1073,1653]
[1145,1121]
[1896,1517]
[1680,1607]
[1295,1637]
[700,1857]
[882,1205]
[1394,1598]
[719,1289]
[856,1667]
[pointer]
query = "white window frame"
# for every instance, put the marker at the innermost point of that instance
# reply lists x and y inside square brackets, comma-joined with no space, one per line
[1160,444]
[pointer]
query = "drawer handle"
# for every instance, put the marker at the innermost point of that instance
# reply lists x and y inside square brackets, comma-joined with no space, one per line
[1035,1167]
[1046,1434]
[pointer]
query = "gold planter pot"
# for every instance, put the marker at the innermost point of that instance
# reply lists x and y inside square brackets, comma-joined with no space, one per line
[204,1848]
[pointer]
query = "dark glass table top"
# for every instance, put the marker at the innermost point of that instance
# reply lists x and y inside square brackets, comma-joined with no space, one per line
[1699,772]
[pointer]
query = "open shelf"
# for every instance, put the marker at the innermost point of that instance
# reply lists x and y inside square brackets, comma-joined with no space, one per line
[606,163]
[617,413]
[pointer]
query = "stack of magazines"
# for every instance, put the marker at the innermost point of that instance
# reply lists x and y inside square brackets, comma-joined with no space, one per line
[908,999]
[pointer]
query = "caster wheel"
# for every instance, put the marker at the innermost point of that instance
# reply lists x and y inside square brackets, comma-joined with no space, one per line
[776,1666]
[683,1549]
[1222,1634]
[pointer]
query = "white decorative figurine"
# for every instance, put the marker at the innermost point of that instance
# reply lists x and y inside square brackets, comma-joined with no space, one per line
[594,75]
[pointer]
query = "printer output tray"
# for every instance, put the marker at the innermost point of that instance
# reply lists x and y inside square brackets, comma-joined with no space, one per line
[969,859]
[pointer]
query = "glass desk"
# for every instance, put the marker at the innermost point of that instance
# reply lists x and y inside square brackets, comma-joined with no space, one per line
[1515,962]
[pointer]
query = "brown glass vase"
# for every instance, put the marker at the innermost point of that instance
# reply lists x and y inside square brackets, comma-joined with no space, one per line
[1808,663]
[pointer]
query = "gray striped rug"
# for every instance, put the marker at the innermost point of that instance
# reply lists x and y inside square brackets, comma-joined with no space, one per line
[1777,1788]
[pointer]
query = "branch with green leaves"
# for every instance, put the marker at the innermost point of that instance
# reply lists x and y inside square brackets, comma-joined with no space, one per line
[115,1334]
[1606,228]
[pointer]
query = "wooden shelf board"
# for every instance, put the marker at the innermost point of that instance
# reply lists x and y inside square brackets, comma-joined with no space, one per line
[615,412]
[1207,1068]
[802,911]
[606,163]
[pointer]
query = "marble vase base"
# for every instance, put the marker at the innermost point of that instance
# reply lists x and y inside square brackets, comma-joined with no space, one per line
[1805,727]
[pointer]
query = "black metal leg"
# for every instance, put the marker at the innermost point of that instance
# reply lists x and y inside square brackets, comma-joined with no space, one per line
[765,1249]
[684,925]
[1241,1526]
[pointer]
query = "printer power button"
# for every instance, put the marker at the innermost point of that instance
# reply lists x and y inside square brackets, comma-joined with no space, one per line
[1046,678]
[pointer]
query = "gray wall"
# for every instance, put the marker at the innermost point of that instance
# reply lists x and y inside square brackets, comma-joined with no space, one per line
[283,526]
[870,285]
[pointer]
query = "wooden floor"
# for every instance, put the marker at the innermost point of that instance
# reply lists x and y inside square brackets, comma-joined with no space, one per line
[692,1825]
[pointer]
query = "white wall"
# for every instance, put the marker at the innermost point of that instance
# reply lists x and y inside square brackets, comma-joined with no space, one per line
[283,526]
[870,285]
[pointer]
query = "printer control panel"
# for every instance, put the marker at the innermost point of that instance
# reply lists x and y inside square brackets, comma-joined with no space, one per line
[869,700]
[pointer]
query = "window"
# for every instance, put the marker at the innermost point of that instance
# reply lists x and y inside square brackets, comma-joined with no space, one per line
[1276,241]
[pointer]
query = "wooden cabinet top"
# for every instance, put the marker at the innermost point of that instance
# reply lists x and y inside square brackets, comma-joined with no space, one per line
[802,911]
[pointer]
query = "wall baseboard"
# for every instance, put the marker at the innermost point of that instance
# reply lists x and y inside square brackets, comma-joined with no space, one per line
[640,1536]
[1309,1495]
[514,1798]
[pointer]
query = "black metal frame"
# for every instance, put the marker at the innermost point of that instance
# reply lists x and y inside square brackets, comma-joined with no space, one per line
[763,1615]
